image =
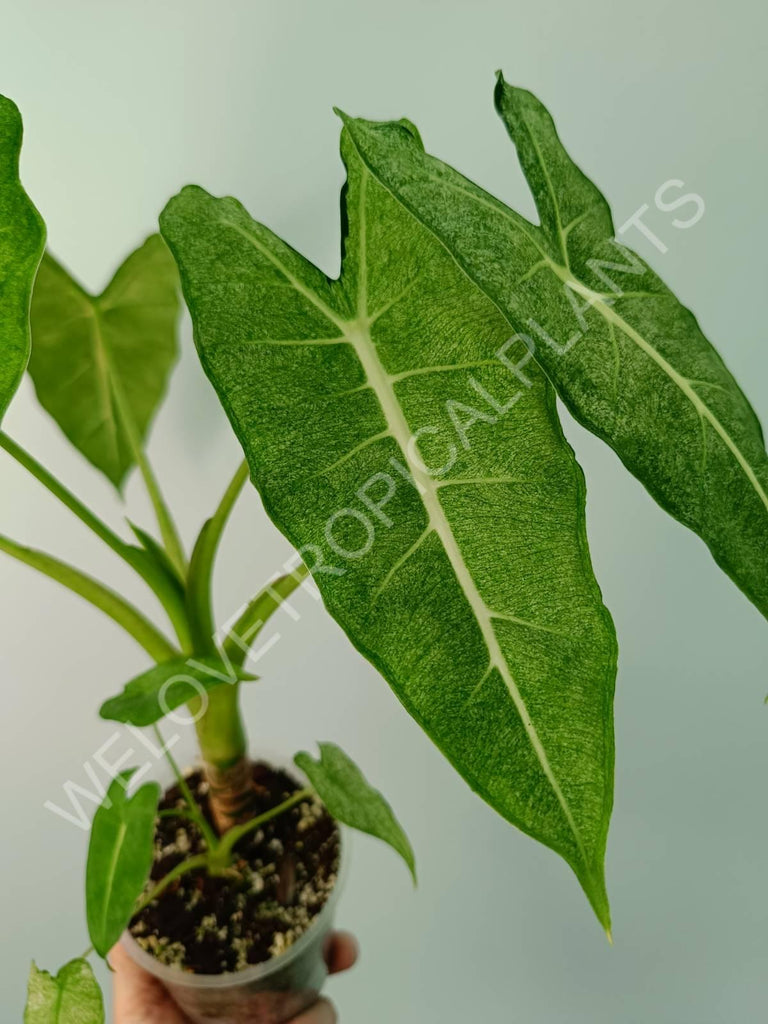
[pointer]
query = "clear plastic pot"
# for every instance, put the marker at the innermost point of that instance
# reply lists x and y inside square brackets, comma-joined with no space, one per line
[272,992]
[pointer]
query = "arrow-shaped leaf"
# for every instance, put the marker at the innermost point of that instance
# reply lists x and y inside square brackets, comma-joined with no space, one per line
[100,364]
[469,585]
[119,859]
[72,997]
[22,237]
[629,360]
[352,800]
[165,687]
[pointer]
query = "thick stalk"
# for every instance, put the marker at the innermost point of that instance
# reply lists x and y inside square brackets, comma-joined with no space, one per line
[224,747]
[220,728]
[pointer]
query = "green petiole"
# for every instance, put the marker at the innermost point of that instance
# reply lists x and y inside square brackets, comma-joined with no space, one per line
[211,839]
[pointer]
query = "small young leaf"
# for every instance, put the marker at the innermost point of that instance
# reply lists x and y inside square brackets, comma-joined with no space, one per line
[352,800]
[72,997]
[22,237]
[165,687]
[627,358]
[199,576]
[119,859]
[96,359]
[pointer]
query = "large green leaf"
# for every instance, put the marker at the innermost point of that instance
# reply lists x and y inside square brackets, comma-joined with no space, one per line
[352,800]
[72,997]
[470,588]
[101,363]
[153,694]
[119,859]
[22,237]
[629,360]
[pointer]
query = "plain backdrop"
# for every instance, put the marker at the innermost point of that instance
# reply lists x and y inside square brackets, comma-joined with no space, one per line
[123,104]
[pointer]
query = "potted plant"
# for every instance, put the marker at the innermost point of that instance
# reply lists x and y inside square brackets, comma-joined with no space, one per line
[409,446]
[222,883]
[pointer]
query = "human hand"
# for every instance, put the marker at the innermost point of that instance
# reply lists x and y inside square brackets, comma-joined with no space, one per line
[141,999]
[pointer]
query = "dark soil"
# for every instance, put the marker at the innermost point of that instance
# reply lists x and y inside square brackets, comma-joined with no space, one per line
[285,872]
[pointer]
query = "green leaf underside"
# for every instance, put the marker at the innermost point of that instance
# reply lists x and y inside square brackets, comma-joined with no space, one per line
[351,800]
[72,997]
[638,371]
[22,237]
[163,688]
[119,859]
[476,598]
[93,355]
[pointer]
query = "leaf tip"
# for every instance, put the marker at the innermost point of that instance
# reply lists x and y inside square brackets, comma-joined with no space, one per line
[609,935]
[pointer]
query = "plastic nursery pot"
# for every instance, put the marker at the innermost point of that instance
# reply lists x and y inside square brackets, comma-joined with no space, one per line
[272,992]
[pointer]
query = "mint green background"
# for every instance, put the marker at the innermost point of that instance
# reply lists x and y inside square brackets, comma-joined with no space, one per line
[123,104]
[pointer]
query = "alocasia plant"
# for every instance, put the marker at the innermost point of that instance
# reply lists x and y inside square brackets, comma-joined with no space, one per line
[628,359]
[411,450]
[470,588]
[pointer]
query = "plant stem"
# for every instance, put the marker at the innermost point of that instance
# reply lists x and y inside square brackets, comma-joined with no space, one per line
[106,600]
[198,861]
[170,599]
[48,480]
[224,852]
[194,811]
[177,812]
[220,731]
[199,598]
[219,858]
[224,747]
[168,531]
[240,638]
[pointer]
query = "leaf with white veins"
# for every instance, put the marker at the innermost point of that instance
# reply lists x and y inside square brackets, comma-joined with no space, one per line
[469,587]
[73,996]
[22,237]
[628,359]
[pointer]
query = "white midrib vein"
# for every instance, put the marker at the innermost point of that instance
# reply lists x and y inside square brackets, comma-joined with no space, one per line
[705,413]
[605,310]
[357,333]
[397,425]
[609,314]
